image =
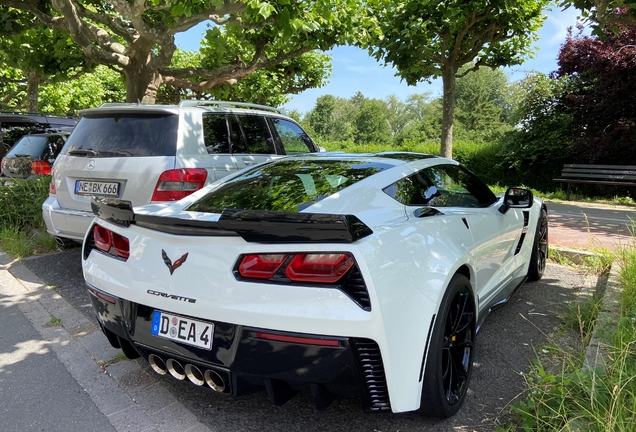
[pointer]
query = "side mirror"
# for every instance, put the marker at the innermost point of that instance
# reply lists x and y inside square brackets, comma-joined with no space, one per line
[516,198]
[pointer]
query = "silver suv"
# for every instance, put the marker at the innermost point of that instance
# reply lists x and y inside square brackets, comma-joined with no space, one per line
[157,153]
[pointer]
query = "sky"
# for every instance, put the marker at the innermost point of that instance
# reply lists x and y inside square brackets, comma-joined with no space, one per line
[354,70]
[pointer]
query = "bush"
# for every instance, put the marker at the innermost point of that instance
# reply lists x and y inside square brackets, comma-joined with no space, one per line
[21,203]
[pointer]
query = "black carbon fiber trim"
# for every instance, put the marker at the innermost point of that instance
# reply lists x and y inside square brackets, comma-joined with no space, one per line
[373,374]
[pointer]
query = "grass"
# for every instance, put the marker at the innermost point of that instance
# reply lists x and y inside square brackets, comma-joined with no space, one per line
[598,263]
[566,398]
[54,322]
[116,359]
[22,230]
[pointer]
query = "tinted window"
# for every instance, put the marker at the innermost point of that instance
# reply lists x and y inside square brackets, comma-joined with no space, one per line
[139,135]
[288,185]
[256,132]
[215,133]
[442,186]
[236,135]
[293,138]
[37,147]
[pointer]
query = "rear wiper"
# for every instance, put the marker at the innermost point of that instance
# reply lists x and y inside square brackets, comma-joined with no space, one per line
[124,152]
[22,155]
[82,152]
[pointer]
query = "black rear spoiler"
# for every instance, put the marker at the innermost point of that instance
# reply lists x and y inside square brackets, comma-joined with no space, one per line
[257,226]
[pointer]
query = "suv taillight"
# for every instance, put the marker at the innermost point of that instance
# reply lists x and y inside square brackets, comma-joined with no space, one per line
[179,183]
[52,184]
[40,168]
[111,242]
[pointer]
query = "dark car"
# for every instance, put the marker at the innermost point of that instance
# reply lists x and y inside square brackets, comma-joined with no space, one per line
[32,155]
[15,125]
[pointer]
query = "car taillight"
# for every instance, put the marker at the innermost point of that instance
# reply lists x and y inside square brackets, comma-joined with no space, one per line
[179,183]
[303,267]
[52,184]
[40,168]
[261,266]
[111,242]
[327,268]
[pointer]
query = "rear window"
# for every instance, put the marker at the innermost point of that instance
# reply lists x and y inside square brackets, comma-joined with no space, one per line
[287,185]
[126,135]
[34,146]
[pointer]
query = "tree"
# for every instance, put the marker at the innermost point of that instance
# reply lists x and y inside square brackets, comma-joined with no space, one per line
[270,86]
[136,38]
[484,102]
[332,118]
[602,72]
[425,39]
[371,124]
[605,12]
[41,54]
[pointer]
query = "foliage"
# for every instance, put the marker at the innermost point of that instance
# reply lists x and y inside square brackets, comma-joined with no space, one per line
[424,39]
[271,86]
[601,399]
[534,154]
[332,118]
[21,226]
[602,71]
[138,38]
[371,124]
[40,53]
[604,12]
[88,91]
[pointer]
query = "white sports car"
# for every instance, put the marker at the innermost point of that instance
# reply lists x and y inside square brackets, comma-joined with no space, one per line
[333,273]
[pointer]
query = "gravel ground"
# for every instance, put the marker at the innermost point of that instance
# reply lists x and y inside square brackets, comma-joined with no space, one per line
[507,343]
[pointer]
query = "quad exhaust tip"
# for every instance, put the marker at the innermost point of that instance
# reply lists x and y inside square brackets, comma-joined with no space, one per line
[157,364]
[212,378]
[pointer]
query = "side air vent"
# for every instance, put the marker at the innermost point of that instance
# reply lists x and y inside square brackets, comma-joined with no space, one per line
[354,286]
[526,218]
[373,374]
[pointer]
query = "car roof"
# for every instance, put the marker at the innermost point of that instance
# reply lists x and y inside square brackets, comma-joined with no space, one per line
[185,105]
[389,158]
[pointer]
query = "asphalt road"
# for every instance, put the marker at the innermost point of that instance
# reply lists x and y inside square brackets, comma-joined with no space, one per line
[581,226]
[510,339]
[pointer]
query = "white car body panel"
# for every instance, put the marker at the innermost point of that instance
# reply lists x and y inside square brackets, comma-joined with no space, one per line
[407,264]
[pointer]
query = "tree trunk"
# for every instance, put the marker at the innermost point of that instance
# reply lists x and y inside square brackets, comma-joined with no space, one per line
[140,73]
[33,91]
[448,111]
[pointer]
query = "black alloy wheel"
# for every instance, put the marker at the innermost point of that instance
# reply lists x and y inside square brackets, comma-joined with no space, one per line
[539,255]
[450,360]
[457,352]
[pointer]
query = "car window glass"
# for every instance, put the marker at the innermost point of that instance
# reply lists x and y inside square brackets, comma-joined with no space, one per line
[236,134]
[29,145]
[215,133]
[259,140]
[293,138]
[288,185]
[442,186]
[125,135]
[53,146]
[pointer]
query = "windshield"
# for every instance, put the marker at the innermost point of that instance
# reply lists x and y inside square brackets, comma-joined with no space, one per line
[287,185]
[125,135]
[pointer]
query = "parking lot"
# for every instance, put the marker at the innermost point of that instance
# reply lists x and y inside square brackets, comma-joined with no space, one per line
[510,339]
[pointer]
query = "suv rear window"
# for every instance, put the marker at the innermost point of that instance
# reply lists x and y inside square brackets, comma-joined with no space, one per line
[287,185]
[124,135]
[37,146]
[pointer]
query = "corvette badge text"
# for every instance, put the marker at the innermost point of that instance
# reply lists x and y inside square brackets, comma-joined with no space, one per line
[172,296]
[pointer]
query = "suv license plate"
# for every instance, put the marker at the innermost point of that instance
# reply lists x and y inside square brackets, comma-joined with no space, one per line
[184,330]
[88,187]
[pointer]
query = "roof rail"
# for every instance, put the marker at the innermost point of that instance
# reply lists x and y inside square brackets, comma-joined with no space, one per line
[116,104]
[228,104]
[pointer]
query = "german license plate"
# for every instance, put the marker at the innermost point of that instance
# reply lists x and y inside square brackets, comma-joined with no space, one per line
[89,187]
[185,330]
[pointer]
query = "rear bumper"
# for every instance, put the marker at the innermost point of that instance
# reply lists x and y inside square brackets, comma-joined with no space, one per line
[67,223]
[241,358]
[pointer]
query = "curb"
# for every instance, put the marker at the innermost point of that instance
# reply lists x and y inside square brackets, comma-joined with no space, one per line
[129,395]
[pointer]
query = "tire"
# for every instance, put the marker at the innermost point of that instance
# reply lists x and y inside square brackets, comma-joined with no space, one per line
[539,254]
[450,353]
